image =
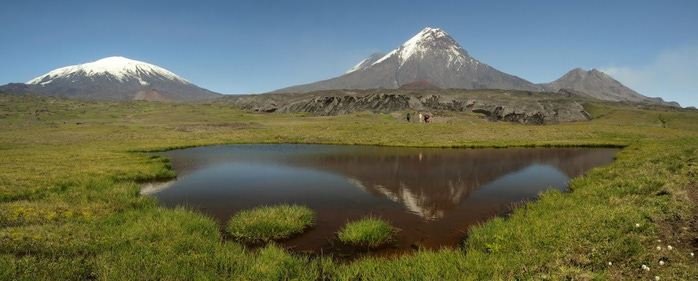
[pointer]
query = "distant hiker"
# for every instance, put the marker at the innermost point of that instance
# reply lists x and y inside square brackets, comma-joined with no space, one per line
[420,117]
[408,117]
[426,118]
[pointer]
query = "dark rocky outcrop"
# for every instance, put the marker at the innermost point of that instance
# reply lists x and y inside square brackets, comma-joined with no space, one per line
[495,105]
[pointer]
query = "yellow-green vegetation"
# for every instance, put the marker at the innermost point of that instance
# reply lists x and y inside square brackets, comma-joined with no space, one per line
[371,232]
[70,206]
[266,223]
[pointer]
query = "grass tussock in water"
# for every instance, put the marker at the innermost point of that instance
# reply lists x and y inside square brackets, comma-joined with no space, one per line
[371,232]
[266,223]
[70,207]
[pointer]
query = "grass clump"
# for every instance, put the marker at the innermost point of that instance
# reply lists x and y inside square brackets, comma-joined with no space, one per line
[266,223]
[369,232]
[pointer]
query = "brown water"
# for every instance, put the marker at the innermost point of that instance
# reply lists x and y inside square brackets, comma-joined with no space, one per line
[432,195]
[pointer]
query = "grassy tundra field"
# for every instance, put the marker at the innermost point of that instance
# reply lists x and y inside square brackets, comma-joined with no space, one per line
[70,206]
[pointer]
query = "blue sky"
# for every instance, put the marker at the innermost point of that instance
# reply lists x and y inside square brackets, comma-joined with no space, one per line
[238,47]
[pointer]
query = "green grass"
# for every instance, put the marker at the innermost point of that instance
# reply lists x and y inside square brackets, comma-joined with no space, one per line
[266,223]
[70,207]
[371,232]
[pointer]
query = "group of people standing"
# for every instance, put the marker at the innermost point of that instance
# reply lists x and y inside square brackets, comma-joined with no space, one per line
[422,117]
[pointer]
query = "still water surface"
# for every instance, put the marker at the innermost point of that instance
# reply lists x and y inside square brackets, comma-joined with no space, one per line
[432,195]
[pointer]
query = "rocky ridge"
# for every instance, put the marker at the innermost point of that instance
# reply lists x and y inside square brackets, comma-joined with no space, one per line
[496,105]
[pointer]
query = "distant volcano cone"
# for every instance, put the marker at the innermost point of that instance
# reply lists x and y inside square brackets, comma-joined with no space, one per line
[595,84]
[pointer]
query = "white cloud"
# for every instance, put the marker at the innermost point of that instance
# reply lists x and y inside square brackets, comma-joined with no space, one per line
[672,75]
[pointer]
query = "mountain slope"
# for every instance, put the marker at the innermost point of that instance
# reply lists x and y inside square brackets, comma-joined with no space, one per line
[430,56]
[599,85]
[113,78]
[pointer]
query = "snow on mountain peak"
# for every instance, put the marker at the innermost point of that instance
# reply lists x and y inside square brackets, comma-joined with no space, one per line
[119,67]
[418,42]
[428,40]
[428,34]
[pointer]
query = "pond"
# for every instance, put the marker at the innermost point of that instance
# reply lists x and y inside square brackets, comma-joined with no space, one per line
[432,195]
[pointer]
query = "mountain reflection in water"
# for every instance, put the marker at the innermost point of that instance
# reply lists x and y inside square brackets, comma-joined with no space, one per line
[432,195]
[432,182]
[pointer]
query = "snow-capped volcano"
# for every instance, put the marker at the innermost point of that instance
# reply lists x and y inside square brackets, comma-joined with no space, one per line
[431,56]
[428,41]
[116,78]
[120,68]
[433,59]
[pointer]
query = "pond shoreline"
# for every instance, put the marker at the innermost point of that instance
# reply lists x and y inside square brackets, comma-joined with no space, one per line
[426,191]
